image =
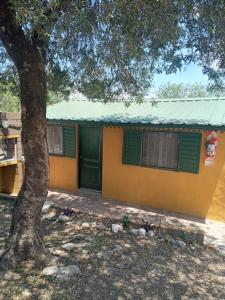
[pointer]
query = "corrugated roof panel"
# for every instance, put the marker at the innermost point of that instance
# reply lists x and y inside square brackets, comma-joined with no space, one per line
[205,111]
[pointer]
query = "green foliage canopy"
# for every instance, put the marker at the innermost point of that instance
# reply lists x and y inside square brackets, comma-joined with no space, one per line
[111,48]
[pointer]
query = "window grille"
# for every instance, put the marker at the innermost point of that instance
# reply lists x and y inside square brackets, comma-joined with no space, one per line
[160,149]
[55,139]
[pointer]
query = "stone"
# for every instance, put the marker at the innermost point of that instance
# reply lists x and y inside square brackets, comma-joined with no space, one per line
[89,238]
[88,290]
[134,231]
[142,232]
[100,226]
[116,228]
[69,246]
[182,244]
[50,271]
[58,252]
[117,248]
[66,273]
[150,233]
[78,245]
[99,255]
[85,225]
[50,216]
[169,239]
[107,254]
[26,295]
[219,279]
[47,205]
[63,218]
[79,237]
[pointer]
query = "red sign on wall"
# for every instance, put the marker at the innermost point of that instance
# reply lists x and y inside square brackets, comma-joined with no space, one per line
[211,147]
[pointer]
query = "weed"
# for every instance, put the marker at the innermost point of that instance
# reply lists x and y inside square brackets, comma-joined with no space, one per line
[125,221]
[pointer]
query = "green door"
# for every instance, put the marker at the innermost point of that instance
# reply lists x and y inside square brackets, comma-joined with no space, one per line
[90,158]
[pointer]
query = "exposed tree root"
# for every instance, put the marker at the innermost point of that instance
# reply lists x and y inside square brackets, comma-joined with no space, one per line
[20,248]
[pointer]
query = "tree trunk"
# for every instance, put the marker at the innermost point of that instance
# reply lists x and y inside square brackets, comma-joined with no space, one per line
[24,239]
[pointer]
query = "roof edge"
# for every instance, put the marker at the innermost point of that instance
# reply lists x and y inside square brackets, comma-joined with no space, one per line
[120,124]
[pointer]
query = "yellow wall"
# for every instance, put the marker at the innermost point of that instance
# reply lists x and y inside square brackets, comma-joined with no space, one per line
[200,194]
[63,173]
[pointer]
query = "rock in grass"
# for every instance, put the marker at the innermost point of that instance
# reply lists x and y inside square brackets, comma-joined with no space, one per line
[69,246]
[46,207]
[116,228]
[99,255]
[182,244]
[150,233]
[100,226]
[66,273]
[26,295]
[134,231]
[85,225]
[117,248]
[169,239]
[63,218]
[89,238]
[79,237]
[142,232]
[107,254]
[50,271]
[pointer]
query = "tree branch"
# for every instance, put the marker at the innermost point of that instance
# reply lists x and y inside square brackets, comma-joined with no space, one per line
[52,14]
[11,34]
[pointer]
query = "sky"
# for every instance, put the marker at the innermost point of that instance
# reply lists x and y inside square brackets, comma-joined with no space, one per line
[190,74]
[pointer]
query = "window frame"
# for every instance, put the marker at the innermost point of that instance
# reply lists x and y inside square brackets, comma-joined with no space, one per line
[186,139]
[56,154]
[159,167]
[63,141]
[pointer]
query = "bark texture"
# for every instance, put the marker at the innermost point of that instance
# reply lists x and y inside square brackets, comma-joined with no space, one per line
[24,239]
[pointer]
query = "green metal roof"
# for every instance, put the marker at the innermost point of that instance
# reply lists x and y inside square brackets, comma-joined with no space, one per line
[186,112]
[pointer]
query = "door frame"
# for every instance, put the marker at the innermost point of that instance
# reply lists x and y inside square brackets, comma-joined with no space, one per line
[79,161]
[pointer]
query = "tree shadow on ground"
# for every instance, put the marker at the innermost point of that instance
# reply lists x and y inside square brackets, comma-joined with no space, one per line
[145,268]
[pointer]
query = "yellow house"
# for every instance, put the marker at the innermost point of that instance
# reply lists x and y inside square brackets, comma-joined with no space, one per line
[168,154]
[10,153]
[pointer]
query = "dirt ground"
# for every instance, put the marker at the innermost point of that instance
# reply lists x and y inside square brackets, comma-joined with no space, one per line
[142,268]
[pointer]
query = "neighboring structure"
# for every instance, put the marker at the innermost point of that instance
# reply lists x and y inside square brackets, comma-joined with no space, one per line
[168,154]
[10,153]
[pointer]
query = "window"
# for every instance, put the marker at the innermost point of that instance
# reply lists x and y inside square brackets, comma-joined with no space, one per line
[62,140]
[160,149]
[169,150]
[55,139]
[8,149]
